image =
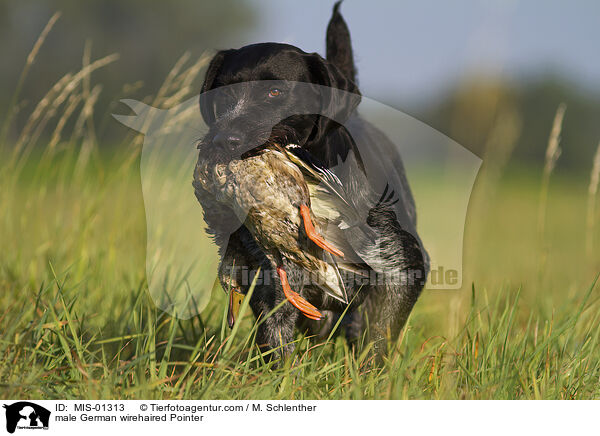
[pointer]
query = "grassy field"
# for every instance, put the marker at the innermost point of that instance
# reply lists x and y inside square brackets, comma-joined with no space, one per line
[76,320]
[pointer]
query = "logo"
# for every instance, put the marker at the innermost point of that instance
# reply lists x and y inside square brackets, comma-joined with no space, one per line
[26,415]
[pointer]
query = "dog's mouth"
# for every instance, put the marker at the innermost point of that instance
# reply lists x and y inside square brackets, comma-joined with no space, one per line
[273,141]
[251,139]
[257,150]
[215,161]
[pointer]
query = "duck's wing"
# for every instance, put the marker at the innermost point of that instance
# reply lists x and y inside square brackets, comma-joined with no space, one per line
[332,283]
[345,216]
[328,195]
[317,171]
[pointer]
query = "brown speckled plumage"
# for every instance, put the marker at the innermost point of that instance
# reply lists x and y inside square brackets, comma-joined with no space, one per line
[266,191]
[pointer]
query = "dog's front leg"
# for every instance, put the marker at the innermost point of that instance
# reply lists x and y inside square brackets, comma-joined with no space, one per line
[391,299]
[276,332]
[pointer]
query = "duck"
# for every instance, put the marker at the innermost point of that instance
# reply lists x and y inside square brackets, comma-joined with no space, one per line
[287,200]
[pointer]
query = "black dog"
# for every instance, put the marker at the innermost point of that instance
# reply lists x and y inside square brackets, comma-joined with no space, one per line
[251,97]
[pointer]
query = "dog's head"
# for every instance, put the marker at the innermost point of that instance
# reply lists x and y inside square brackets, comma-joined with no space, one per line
[272,92]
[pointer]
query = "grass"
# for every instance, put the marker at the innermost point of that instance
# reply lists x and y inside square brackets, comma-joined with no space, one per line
[77,320]
[89,330]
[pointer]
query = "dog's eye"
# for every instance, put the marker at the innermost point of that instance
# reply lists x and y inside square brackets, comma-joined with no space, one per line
[274,93]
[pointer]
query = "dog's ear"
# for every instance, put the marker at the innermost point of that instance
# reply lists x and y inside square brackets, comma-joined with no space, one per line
[206,101]
[339,94]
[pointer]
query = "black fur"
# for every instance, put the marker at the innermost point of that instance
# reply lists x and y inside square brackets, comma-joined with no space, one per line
[339,46]
[256,121]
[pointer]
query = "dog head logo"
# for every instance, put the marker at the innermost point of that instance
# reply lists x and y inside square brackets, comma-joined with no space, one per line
[181,259]
[26,415]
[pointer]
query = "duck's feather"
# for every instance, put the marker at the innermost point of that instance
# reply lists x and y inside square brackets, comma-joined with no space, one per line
[344,222]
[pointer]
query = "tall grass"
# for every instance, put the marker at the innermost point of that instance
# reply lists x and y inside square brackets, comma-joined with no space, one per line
[591,209]
[28,64]
[77,321]
[553,152]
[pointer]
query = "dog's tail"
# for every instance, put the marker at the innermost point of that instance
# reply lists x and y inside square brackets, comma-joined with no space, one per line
[339,46]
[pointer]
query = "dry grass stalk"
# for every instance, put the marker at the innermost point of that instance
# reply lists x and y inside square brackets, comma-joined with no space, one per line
[37,113]
[591,207]
[164,89]
[553,151]
[49,105]
[177,87]
[40,41]
[28,63]
[86,114]
[161,96]
[552,154]
[73,102]
[87,90]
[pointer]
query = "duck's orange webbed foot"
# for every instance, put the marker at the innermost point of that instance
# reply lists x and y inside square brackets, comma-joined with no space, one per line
[314,236]
[297,301]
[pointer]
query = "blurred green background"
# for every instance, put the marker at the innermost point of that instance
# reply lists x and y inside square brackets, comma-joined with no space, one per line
[455,67]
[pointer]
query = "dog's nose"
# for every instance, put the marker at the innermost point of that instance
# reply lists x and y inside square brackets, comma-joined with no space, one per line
[227,141]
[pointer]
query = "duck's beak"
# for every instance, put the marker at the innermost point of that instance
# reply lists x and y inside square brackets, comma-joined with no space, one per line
[235,302]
